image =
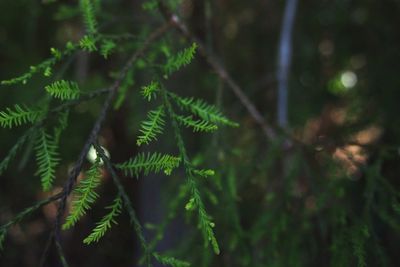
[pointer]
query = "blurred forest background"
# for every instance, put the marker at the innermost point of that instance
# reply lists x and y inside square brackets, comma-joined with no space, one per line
[323,192]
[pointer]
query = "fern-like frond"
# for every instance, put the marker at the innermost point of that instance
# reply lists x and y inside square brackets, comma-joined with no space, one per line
[63,90]
[153,126]
[107,47]
[18,116]
[106,222]
[88,43]
[89,17]
[85,195]
[47,159]
[146,163]
[202,109]
[150,91]
[170,261]
[180,60]
[197,125]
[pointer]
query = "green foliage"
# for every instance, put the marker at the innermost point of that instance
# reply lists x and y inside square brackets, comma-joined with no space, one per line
[107,47]
[200,108]
[2,239]
[170,261]
[85,195]
[45,67]
[88,43]
[181,59]
[147,163]
[204,220]
[197,125]
[47,158]
[20,115]
[153,126]
[89,17]
[149,92]
[106,222]
[64,90]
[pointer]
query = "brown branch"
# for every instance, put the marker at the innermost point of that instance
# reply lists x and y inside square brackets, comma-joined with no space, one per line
[220,70]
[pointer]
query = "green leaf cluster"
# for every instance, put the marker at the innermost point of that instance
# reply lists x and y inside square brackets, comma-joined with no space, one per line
[85,195]
[106,222]
[89,17]
[202,109]
[146,163]
[181,59]
[18,116]
[47,158]
[64,90]
[153,126]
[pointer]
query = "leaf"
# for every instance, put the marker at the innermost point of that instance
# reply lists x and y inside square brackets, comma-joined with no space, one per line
[197,125]
[149,163]
[89,18]
[181,59]
[150,91]
[200,108]
[64,90]
[106,222]
[20,115]
[107,47]
[153,126]
[88,43]
[47,159]
[85,195]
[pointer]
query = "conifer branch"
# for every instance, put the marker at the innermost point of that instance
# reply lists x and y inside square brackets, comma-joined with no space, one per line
[127,203]
[68,186]
[45,67]
[89,18]
[147,163]
[200,108]
[47,158]
[181,59]
[150,91]
[85,195]
[153,126]
[64,90]
[197,125]
[106,222]
[205,223]
[20,115]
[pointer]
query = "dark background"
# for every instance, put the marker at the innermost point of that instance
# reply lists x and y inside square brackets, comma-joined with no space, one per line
[331,200]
